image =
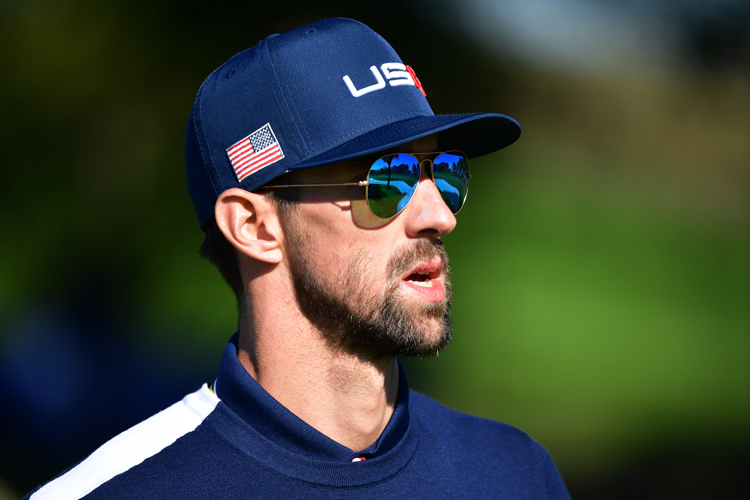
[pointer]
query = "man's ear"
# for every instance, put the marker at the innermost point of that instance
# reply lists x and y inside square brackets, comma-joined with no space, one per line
[250,222]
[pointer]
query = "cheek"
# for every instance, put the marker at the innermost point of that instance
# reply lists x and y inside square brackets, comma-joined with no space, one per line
[337,247]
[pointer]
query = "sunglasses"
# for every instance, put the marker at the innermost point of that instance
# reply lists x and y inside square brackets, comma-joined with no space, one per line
[393,179]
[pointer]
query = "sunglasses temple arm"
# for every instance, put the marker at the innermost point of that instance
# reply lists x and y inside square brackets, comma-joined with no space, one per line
[360,183]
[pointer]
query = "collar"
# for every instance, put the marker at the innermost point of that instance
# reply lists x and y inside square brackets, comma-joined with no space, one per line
[242,394]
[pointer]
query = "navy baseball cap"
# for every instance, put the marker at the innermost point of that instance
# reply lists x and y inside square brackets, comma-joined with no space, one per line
[326,92]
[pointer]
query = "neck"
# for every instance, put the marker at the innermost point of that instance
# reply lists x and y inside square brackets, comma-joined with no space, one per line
[344,396]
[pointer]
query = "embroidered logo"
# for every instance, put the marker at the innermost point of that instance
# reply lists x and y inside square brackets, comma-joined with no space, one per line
[254,152]
[395,73]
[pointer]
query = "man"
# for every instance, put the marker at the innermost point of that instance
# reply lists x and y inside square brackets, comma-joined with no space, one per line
[324,183]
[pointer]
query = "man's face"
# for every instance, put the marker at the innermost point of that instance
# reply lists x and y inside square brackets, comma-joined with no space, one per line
[374,292]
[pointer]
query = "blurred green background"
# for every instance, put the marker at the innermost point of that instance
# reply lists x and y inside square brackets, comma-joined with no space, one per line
[601,266]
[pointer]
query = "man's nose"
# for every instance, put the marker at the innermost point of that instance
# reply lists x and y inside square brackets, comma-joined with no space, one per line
[428,214]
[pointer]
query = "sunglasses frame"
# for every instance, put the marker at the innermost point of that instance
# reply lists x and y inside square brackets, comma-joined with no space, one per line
[363,214]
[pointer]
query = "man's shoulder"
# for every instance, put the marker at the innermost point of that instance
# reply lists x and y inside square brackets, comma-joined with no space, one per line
[466,436]
[445,421]
[130,448]
[482,449]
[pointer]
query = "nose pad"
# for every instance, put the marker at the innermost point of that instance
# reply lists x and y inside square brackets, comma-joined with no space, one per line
[426,169]
[426,166]
[432,218]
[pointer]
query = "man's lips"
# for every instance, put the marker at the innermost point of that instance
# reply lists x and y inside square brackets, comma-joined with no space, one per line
[431,269]
[424,278]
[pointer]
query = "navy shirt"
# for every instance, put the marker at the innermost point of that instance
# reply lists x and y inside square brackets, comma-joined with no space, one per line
[238,442]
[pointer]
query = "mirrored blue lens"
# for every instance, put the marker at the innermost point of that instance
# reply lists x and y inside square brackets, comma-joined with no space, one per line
[393,180]
[451,172]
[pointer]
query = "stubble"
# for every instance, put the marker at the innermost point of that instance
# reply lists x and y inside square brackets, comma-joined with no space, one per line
[351,316]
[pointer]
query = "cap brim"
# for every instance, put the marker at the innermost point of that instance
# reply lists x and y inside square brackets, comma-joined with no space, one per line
[475,134]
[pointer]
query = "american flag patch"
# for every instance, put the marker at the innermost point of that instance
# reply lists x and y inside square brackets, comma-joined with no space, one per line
[254,152]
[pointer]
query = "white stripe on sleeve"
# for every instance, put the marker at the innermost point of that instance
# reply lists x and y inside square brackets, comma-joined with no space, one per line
[132,447]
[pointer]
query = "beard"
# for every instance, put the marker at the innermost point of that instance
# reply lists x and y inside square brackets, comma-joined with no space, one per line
[343,309]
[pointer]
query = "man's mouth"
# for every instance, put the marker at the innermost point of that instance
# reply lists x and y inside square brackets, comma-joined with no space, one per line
[425,278]
[422,278]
